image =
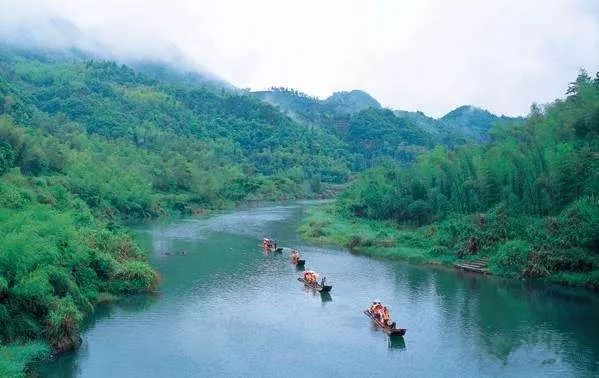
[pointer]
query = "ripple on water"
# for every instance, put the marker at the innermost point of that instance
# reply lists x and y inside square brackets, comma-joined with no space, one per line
[225,309]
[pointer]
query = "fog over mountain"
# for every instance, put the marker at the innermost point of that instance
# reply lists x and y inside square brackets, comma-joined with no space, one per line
[429,55]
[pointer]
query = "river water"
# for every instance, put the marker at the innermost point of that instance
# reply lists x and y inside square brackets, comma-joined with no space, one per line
[226,309]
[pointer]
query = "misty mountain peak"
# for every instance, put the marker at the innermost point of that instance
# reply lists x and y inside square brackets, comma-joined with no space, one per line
[347,102]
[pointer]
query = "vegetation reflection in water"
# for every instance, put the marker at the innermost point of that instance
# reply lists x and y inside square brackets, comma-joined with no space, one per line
[225,298]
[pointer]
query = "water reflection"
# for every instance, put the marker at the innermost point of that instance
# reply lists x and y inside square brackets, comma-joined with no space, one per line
[224,307]
[396,342]
[326,297]
[511,321]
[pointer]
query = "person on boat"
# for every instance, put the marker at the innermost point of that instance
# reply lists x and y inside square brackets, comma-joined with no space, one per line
[294,256]
[376,309]
[310,276]
[371,309]
[385,315]
[323,281]
[387,318]
[267,244]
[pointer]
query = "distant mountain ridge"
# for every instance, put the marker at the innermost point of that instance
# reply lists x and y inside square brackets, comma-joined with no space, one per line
[466,123]
[349,102]
[475,123]
[314,111]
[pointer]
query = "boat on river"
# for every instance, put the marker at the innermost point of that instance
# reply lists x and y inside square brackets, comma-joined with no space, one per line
[316,286]
[295,260]
[271,246]
[309,278]
[390,330]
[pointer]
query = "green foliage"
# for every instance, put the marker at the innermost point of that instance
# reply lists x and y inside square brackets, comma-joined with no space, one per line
[376,134]
[62,330]
[528,199]
[474,123]
[134,277]
[55,260]
[15,358]
[351,102]
[511,258]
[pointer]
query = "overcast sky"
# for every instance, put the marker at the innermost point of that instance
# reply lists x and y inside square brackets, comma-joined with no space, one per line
[429,55]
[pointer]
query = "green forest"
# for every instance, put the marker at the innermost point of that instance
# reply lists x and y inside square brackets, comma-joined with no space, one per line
[527,200]
[88,144]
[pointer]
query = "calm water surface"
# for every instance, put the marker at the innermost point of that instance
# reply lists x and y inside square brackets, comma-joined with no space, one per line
[226,309]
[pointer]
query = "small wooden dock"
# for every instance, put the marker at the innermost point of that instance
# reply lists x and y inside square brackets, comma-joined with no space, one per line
[476,266]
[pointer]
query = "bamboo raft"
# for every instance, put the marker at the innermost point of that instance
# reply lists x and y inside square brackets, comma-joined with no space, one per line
[476,266]
[391,331]
[316,286]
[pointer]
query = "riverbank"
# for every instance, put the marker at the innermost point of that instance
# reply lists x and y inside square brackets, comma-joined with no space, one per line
[425,245]
[106,264]
[58,260]
[371,237]
[502,326]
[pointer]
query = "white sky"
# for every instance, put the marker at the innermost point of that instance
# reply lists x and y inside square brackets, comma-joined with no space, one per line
[429,55]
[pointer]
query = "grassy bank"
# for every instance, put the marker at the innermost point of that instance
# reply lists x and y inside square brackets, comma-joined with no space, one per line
[372,237]
[57,261]
[446,242]
[14,359]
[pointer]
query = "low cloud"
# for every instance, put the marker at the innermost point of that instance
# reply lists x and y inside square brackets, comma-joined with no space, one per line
[427,55]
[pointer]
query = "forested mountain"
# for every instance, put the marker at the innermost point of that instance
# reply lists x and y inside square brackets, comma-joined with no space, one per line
[167,73]
[371,134]
[301,107]
[84,143]
[190,128]
[350,102]
[474,123]
[462,125]
[375,135]
[315,112]
[528,199]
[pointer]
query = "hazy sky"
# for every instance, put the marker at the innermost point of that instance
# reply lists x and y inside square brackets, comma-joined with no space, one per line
[431,55]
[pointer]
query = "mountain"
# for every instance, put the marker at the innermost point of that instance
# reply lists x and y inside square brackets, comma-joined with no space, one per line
[461,125]
[299,106]
[475,123]
[375,135]
[526,200]
[370,132]
[167,73]
[464,124]
[420,119]
[351,102]
[210,146]
[312,111]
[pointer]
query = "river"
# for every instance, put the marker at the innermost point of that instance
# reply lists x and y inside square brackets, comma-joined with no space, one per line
[226,309]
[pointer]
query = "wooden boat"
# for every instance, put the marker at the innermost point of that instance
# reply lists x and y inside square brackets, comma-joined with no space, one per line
[299,262]
[388,330]
[270,248]
[316,286]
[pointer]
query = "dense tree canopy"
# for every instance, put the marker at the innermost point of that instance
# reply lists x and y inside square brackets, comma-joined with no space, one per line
[529,197]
